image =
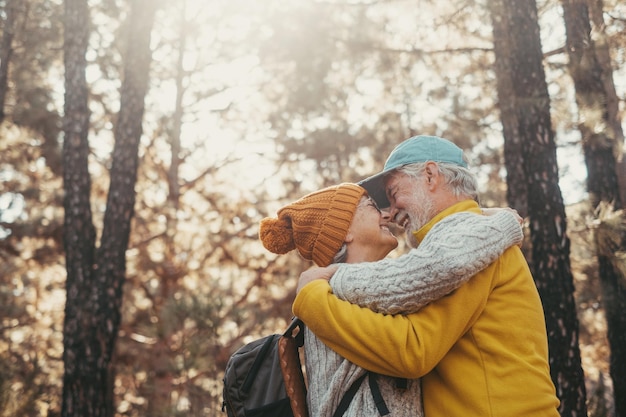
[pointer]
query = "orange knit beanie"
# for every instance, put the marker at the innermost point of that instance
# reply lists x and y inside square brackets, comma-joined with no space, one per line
[316,225]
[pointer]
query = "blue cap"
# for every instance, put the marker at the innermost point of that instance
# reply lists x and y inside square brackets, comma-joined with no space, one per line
[416,149]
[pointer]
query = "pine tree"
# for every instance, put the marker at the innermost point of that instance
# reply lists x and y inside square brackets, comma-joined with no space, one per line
[533,175]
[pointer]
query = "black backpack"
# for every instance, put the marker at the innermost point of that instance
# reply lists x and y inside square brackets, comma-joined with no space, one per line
[264,379]
[254,381]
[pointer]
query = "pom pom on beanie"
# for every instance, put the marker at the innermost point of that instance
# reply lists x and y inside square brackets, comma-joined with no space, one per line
[316,224]
[276,235]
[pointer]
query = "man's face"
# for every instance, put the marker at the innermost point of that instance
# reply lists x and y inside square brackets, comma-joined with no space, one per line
[411,206]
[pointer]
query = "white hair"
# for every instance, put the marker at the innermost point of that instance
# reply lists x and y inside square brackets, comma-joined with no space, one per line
[341,256]
[462,181]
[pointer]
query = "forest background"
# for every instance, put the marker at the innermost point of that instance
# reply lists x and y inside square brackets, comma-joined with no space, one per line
[163,132]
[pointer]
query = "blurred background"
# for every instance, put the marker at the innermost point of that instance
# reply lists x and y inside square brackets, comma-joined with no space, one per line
[249,105]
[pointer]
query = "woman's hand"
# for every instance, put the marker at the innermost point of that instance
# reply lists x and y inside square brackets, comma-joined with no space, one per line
[316,273]
[493,210]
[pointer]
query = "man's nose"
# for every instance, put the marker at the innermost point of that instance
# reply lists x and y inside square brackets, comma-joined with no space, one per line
[392,212]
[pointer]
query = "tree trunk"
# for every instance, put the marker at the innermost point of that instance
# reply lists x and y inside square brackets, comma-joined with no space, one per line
[6,50]
[517,188]
[522,86]
[95,279]
[82,382]
[610,241]
[602,53]
[601,139]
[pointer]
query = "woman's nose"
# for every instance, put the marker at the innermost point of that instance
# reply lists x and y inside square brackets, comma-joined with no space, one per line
[392,212]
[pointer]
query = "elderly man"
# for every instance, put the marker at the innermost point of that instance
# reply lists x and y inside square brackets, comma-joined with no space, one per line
[482,350]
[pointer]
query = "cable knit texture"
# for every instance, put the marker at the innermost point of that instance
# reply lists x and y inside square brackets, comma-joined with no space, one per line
[454,250]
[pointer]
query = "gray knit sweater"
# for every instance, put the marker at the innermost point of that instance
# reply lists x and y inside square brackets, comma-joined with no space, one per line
[453,251]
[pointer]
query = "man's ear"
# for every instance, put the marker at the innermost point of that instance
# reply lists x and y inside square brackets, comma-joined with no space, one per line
[432,174]
[349,237]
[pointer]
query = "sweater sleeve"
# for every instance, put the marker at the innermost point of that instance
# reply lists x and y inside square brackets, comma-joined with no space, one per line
[454,250]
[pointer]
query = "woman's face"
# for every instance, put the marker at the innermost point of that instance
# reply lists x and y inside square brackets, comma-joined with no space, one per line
[369,237]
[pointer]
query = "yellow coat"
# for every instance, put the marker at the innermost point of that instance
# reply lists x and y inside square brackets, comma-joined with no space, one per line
[481,351]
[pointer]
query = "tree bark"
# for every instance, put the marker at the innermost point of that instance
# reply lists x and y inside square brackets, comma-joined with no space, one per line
[522,86]
[6,50]
[602,52]
[95,277]
[82,383]
[601,140]
[517,188]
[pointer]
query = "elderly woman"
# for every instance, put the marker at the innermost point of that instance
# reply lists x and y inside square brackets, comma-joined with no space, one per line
[342,224]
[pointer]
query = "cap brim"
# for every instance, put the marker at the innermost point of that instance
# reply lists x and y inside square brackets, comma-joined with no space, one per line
[375,186]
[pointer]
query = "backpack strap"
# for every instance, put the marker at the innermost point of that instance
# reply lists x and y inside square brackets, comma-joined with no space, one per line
[348,396]
[402,383]
[374,389]
[378,397]
[296,323]
[291,367]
